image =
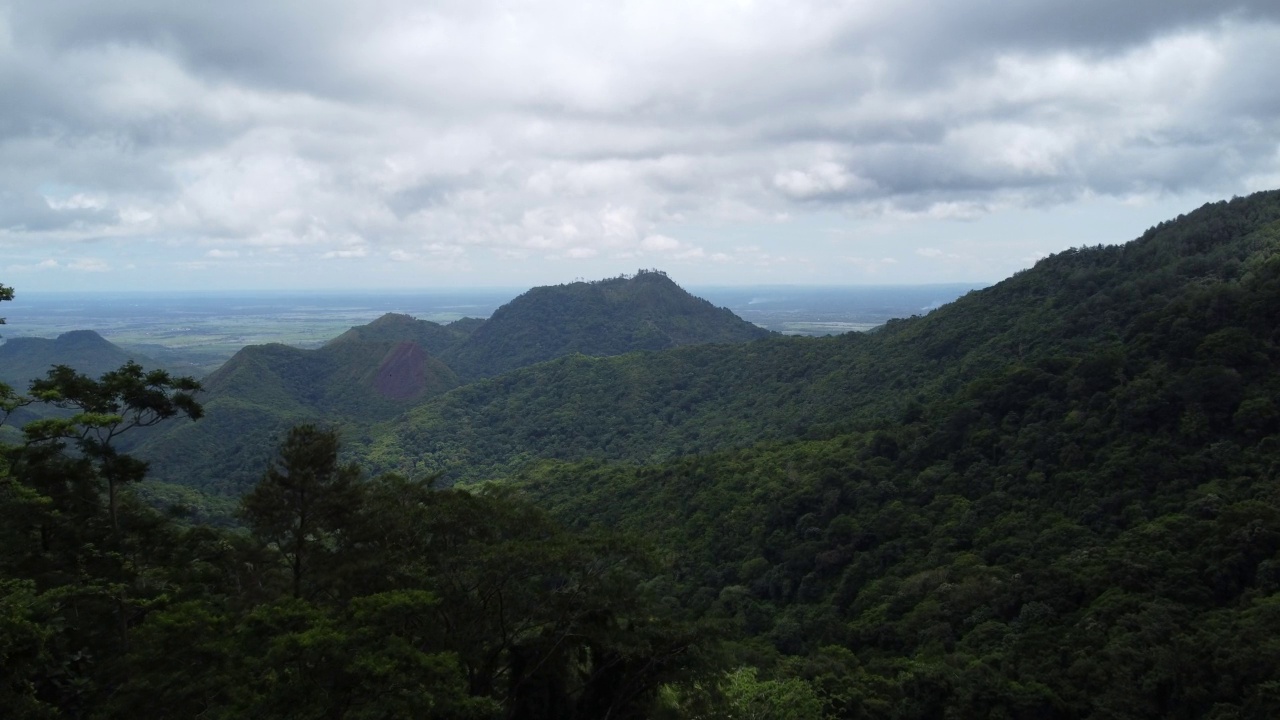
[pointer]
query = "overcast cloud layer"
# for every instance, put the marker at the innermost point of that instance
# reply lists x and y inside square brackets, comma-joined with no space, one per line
[408,144]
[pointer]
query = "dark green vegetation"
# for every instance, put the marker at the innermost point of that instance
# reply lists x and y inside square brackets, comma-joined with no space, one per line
[1054,498]
[646,311]
[1088,525]
[376,372]
[344,597]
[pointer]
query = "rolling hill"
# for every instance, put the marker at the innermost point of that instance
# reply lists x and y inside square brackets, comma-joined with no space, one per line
[23,359]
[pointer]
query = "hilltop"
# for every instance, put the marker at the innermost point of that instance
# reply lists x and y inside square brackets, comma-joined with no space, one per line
[645,311]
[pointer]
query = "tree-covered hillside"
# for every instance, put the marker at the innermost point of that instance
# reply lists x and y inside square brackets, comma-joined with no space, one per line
[1089,529]
[651,406]
[377,371]
[396,327]
[368,374]
[646,311]
[23,359]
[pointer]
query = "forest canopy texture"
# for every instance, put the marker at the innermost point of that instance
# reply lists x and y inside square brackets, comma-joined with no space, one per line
[1053,498]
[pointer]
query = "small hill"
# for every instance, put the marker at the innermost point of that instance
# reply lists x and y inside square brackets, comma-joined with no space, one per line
[23,359]
[368,374]
[647,311]
[434,338]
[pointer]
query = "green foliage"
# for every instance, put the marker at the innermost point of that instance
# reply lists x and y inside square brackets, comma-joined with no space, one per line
[1079,529]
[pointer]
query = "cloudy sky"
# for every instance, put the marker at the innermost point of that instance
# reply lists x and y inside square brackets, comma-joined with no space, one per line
[320,144]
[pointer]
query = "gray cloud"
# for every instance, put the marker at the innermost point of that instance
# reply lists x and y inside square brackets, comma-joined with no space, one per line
[381,130]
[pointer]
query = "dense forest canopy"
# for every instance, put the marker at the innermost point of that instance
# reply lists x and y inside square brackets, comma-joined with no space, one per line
[1054,498]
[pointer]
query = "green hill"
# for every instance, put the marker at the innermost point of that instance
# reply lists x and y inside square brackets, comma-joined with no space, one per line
[646,311]
[652,406]
[23,359]
[370,373]
[395,327]
[1085,525]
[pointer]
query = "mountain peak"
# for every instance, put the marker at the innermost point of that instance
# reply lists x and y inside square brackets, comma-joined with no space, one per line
[645,311]
[82,338]
[395,328]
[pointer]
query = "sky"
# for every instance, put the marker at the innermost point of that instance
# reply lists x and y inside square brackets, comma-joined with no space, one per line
[389,144]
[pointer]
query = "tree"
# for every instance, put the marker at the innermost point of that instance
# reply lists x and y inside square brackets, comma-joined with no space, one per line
[6,293]
[304,500]
[119,401]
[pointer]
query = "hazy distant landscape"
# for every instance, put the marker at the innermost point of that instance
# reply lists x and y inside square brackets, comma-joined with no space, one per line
[199,332]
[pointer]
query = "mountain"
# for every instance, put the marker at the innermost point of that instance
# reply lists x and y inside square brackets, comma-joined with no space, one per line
[396,327]
[1083,523]
[23,359]
[367,374]
[647,311]
[654,406]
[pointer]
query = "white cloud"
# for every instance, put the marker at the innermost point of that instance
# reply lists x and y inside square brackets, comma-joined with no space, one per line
[95,265]
[660,243]
[357,252]
[500,133]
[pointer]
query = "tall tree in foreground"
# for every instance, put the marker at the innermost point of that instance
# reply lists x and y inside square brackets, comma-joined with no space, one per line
[305,499]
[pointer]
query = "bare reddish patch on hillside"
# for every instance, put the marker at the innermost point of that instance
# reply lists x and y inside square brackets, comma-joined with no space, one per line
[403,372]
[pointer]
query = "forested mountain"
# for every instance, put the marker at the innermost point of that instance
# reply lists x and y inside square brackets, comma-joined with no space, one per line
[1054,498]
[653,406]
[375,372]
[1089,528]
[396,327]
[23,359]
[370,373]
[646,311]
